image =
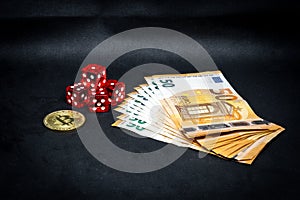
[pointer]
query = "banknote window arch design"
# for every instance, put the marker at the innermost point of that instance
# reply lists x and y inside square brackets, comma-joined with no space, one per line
[197,110]
[201,109]
[207,110]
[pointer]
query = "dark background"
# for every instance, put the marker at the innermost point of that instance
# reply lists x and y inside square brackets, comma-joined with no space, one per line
[42,45]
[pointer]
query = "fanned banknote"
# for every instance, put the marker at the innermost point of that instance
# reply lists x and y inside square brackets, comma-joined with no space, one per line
[201,111]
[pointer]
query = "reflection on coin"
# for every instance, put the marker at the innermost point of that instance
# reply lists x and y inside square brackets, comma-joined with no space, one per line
[64,120]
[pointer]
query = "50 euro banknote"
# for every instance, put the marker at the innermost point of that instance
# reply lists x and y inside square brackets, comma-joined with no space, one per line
[199,111]
[205,103]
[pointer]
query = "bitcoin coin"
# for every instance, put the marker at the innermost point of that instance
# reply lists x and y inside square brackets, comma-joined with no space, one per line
[64,120]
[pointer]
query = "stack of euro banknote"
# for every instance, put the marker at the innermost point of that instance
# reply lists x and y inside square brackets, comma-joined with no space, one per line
[200,111]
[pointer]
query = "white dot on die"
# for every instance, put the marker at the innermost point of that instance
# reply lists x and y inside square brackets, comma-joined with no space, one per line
[117,99]
[93,67]
[69,93]
[99,75]
[102,100]
[119,94]
[98,104]
[88,80]
[104,81]
[82,95]
[122,96]
[92,76]
[75,103]
[102,108]
[94,108]
[109,99]
[122,89]
[69,101]
[92,85]
[84,75]
[94,100]
[117,91]
[72,98]
[74,95]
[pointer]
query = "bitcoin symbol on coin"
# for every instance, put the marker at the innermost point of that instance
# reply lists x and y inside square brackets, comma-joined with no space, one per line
[64,120]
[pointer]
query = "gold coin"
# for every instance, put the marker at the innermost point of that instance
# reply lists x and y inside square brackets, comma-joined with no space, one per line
[64,120]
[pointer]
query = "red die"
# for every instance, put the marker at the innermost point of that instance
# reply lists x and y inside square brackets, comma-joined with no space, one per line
[99,101]
[118,94]
[76,95]
[93,75]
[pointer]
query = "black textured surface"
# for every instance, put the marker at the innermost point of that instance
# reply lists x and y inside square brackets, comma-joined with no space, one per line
[254,43]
